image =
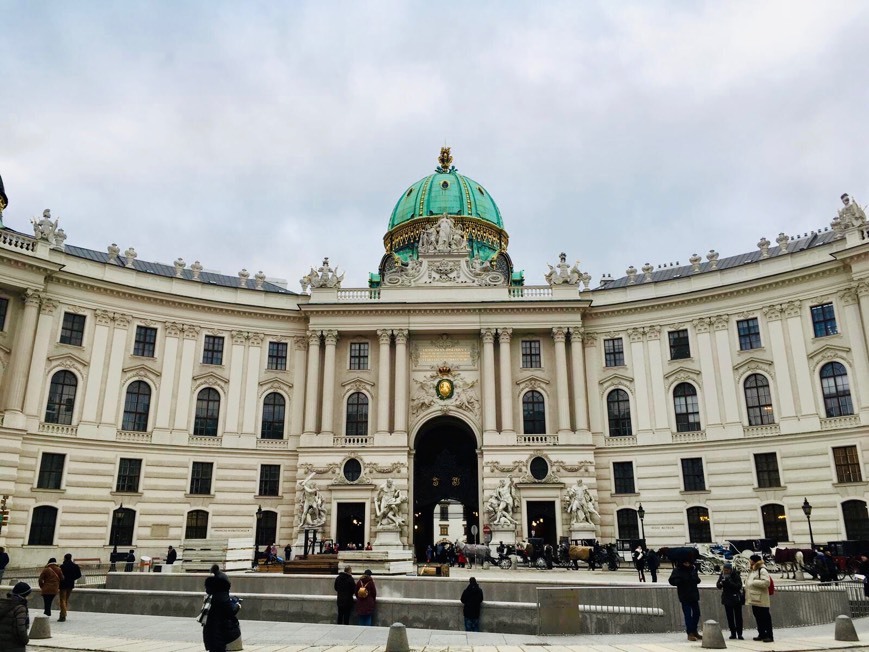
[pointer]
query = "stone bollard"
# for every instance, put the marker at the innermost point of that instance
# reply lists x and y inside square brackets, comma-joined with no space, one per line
[397,641]
[845,629]
[235,645]
[41,627]
[712,636]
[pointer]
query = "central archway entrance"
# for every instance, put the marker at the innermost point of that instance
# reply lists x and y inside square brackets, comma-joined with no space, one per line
[444,469]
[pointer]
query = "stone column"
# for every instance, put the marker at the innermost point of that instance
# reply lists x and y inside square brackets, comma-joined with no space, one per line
[506,381]
[297,407]
[593,367]
[113,376]
[659,403]
[22,353]
[185,378]
[36,376]
[488,389]
[577,364]
[854,331]
[644,396]
[725,367]
[251,384]
[400,420]
[385,337]
[780,357]
[311,383]
[707,369]
[798,356]
[234,363]
[327,419]
[166,392]
[559,334]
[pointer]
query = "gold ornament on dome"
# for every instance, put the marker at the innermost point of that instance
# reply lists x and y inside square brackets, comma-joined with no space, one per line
[445,160]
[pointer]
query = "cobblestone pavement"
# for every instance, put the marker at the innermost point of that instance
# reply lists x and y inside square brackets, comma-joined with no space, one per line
[134,633]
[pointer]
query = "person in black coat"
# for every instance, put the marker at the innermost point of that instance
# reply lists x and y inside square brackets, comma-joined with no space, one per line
[221,624]
[684,577]
[345,588]
[732,597]
[652,563]
[472,601]
[864,571]
[171,556]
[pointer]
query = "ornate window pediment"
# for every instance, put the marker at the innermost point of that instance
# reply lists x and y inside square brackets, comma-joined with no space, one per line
[616,380]
[829,352]
[210,379]
[141,372]
[753,364]
[275,385]
[531,382]
[357,384]
[69,361]
[682,375]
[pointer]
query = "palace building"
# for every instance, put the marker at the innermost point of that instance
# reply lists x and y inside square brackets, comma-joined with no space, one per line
[144,404]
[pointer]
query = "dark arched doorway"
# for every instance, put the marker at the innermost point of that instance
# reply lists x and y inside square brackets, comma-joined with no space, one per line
[444,468]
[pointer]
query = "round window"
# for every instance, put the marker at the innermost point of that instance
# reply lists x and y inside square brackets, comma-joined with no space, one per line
[539,468]
[352,470]
[445,184]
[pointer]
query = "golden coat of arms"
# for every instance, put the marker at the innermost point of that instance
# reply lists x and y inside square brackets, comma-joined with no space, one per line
[444,388]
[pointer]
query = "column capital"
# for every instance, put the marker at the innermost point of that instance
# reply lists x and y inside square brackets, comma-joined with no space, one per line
[32,298]
[488,335]
[173,328]
[48,306]
[239,337]
[504,335]
[773,312]
[384,335]
[401,335]
[191,331]
[862,288]
[721,322]
[635,334]
[559,334]
[331,337]
[122,320]
[653,332]
[313,338]
[576,333]
[300,343]
[256,339]
[792,308]
[702,325]
[849,296]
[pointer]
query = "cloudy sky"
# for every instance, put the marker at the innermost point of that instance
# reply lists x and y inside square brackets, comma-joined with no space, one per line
[266,135]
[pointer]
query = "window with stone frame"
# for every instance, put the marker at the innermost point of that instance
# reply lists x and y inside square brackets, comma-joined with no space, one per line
[61,398]
[129,472]
[212,350]
[359,355]
[274,416]
[618,407]
[775,522]
[628,523]
[692,474]
[699,527]
[207,413]
[623,478]
[72,329]
[847,464]
[837,390]
[758,400]
[614,352]
[533,413]
[123,526]
[137,407]
[749,334]
[196,526]
[269,479]
[531,358]
[51,471]
[42,526]
[357,415]
[145,344]
[200,478]
[680,346]
[824,320]
[277,359]
[766,467]
[687,408]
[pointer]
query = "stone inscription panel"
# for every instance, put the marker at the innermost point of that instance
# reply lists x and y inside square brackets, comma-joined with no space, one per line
[430,354]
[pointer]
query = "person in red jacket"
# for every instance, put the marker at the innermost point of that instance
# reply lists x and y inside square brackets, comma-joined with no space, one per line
[49,584]
[366,598]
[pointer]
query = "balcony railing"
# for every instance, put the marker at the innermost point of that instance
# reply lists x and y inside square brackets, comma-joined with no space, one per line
[133,435]
[351,440]
[359,294]
[532,440]
[687,437]
[834,423]
[16,241]
[761,431]
[204,440]
[272,444]
[58,429]
[620,441]
[531,292]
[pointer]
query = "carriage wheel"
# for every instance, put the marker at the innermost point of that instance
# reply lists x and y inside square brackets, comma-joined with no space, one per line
[740,563]
[505,563]
[540,563]
[707,567]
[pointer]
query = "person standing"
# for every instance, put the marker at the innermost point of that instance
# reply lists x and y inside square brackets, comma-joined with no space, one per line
[684,577]
[14,619]
[219,622]
[71,572]
[49,584]
[732,597]
[757,595]
[864,571]
[288,552]
[345,588]
[652,562]
[131,561]
[472,601]
[366,599]
[4,561]
[171,556]
[639,562]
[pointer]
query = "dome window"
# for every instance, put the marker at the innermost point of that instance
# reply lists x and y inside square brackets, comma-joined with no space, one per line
[445,184]
[480,190]
[409,192]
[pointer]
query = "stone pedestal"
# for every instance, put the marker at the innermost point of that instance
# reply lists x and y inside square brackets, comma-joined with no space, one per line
[379,562]
[299,546]
[505,534]
[388,537]
[582,531]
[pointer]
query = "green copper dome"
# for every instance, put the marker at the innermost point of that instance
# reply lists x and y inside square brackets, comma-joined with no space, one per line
[445,191]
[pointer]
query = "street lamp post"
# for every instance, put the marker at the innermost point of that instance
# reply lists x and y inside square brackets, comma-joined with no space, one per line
[642,514]
[117,518]
[807,510]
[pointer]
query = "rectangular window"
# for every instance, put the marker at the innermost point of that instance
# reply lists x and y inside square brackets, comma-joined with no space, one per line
[531,354]
[146,341]
[269,479]
[614,352]
[766,465]
[129,471]
[212,352]
[4,308]
[445,530]
[847,464]
[72,330]
[623,478]
[50,471]
[824,320]
[200,478]
[749,334]
[359,355]
[692,474]
[445,512]
[679,346]
[277,356]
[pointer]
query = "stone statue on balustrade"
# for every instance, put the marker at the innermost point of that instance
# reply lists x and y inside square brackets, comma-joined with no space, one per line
[312,511]
[501,504]
[580,505]
[443,238]
[45,228]
[322,277]
[563,273]
[851,214]
[387,505]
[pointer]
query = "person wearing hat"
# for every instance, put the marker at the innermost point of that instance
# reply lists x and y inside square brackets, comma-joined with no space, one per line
[49,584]
[14,619]
[366,597]
[757,595]
[732,597]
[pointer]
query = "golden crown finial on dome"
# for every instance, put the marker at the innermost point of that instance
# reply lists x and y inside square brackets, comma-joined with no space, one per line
[445,161]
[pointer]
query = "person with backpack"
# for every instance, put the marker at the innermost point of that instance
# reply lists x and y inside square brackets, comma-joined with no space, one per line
[758,587]
[732,597]
[218,616]
[345,588]
[71,572]
[472,601]
[366,598]
[14,619]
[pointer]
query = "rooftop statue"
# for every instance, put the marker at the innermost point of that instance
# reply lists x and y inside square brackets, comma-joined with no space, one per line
[563,273]
[46,228]
[322,277]
[851,214]
[443,238]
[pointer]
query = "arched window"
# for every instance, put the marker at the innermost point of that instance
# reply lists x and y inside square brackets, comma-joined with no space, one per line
[197,525]
[837,391]
[136,407]
[42,526]
[628,524]
[758,401]
[274,409]
[775,522]
[357,415]
[61,398]
[266,528]
[207,412]
[618,408]
[699,529]
[856,519]
[123,526]
[687,408]
[533,413]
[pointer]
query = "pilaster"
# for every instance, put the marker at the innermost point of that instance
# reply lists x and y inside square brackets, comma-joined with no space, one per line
[297,405]
[22,354]
[113,374]
[559,335]
[36,376]
[504,335]
[400,419]
[580,389]
[488,389]
[327,418]
[383,369]
[313,378]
